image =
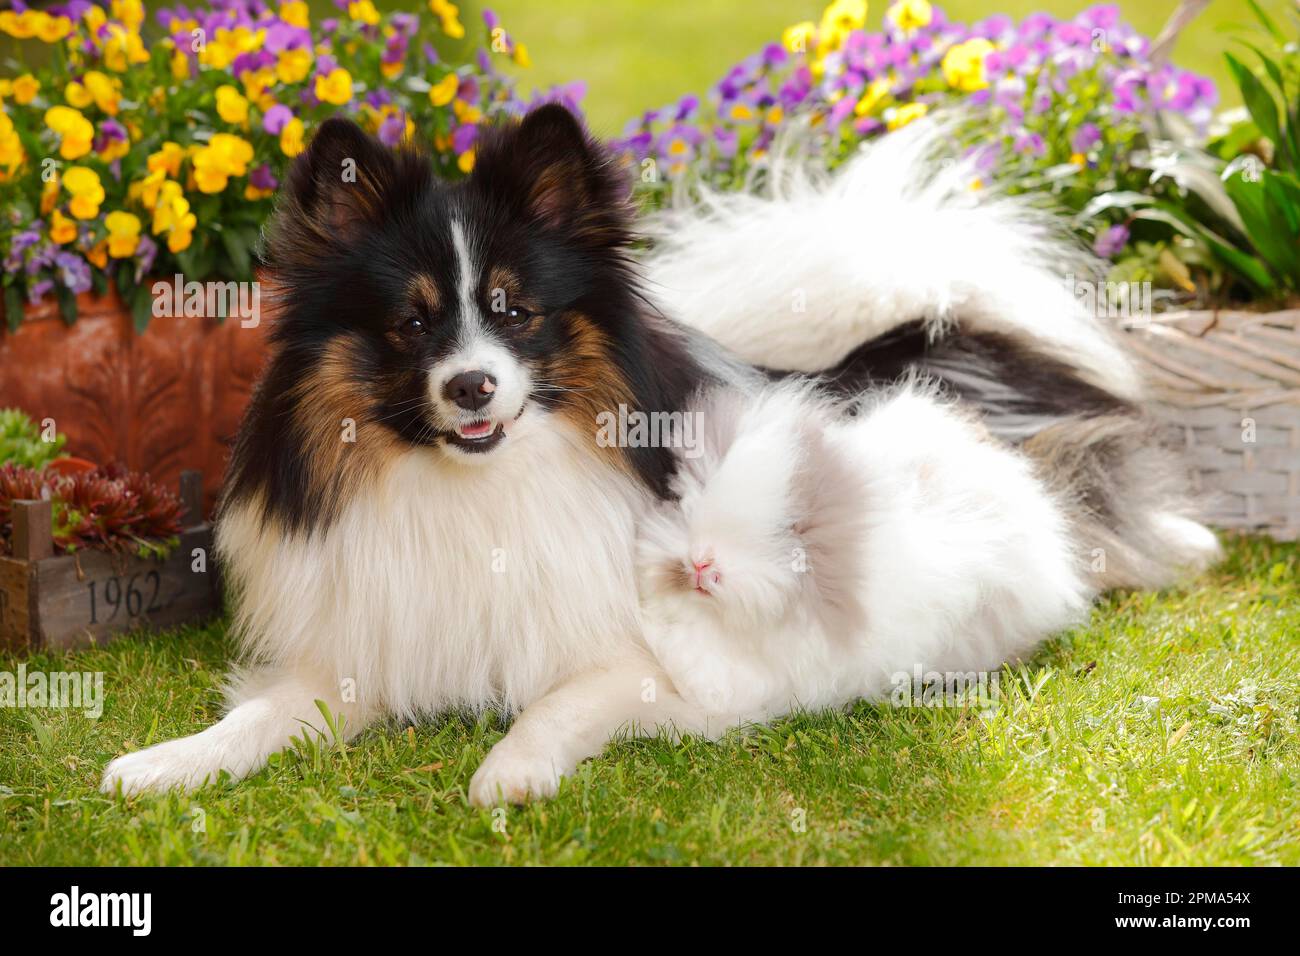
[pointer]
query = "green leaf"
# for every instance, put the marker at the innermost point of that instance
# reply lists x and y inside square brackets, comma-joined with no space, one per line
[1266,224]
[1269,25]
[1235,141]
[236,247]
[1241,264]
[125,280]
[1289,147]
[13,306]
[1258,102]
[141,307]
[67,304]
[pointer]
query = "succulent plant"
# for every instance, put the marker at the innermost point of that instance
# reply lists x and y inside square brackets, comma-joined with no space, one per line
[110,509]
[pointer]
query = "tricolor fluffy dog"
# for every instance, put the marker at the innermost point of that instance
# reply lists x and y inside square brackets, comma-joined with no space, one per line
[419,515]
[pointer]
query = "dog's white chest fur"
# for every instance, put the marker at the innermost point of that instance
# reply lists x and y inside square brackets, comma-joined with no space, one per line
[448,585]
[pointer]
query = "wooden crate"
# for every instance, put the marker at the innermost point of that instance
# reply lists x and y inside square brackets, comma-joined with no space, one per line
[77,600]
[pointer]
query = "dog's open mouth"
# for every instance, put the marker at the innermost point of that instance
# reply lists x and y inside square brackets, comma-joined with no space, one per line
[478,437]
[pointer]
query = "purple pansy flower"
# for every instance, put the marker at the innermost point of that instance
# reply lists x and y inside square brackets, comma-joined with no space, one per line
[275,119]
[1110,242]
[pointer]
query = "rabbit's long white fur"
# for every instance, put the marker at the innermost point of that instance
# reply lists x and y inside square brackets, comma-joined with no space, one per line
[813,558]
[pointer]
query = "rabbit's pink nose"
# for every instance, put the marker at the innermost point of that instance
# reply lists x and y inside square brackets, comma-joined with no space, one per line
[704,577]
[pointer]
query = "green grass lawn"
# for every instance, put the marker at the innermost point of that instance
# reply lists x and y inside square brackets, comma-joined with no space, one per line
[1165,732]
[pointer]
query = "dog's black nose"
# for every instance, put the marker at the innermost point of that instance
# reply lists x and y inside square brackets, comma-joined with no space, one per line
[470,390]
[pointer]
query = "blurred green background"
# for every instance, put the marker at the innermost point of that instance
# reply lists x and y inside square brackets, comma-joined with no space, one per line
[639,54]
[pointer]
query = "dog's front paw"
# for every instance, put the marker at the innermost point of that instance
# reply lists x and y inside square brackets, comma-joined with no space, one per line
[512,773]
[177,764]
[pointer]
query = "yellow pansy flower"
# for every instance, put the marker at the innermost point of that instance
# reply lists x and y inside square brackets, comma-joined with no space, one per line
[19,25]
[839,19]
[442,92]
[180,65]
[145,191]
[49,196]
[910,14]
[53,29]
[123,48]
[336,88]
[363,11]
[391,70]
[293,65]
[963,65]
[12,154]
[223,157]
[797,38]
[521,56]
[448,15]
[231,105]
[94,18]
[466,161]
[905,114]
[25,89]
[871,97]
[98,256]
[227,44]
[114,149]
[168,159]
[103,91]
[128,12]
[465,113]
[123,234]
[62,229]
[172,215]
[256,83]
[87,193]
[75,131]
[291,138]
[296,14]
[77,95]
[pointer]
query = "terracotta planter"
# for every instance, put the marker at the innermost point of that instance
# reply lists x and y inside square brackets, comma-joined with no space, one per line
[164,401]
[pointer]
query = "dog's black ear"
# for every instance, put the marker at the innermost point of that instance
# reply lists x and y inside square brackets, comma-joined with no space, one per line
[342,181]
[556,176]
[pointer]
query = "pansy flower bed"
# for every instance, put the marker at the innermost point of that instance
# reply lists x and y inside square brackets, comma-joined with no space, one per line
[1068,90]
[153,145]
[1061,105]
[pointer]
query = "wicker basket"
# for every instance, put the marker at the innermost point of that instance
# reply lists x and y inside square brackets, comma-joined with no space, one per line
[1228,383]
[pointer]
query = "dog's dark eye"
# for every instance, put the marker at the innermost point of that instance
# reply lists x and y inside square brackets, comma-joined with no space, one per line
[413,327]
[515,317]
